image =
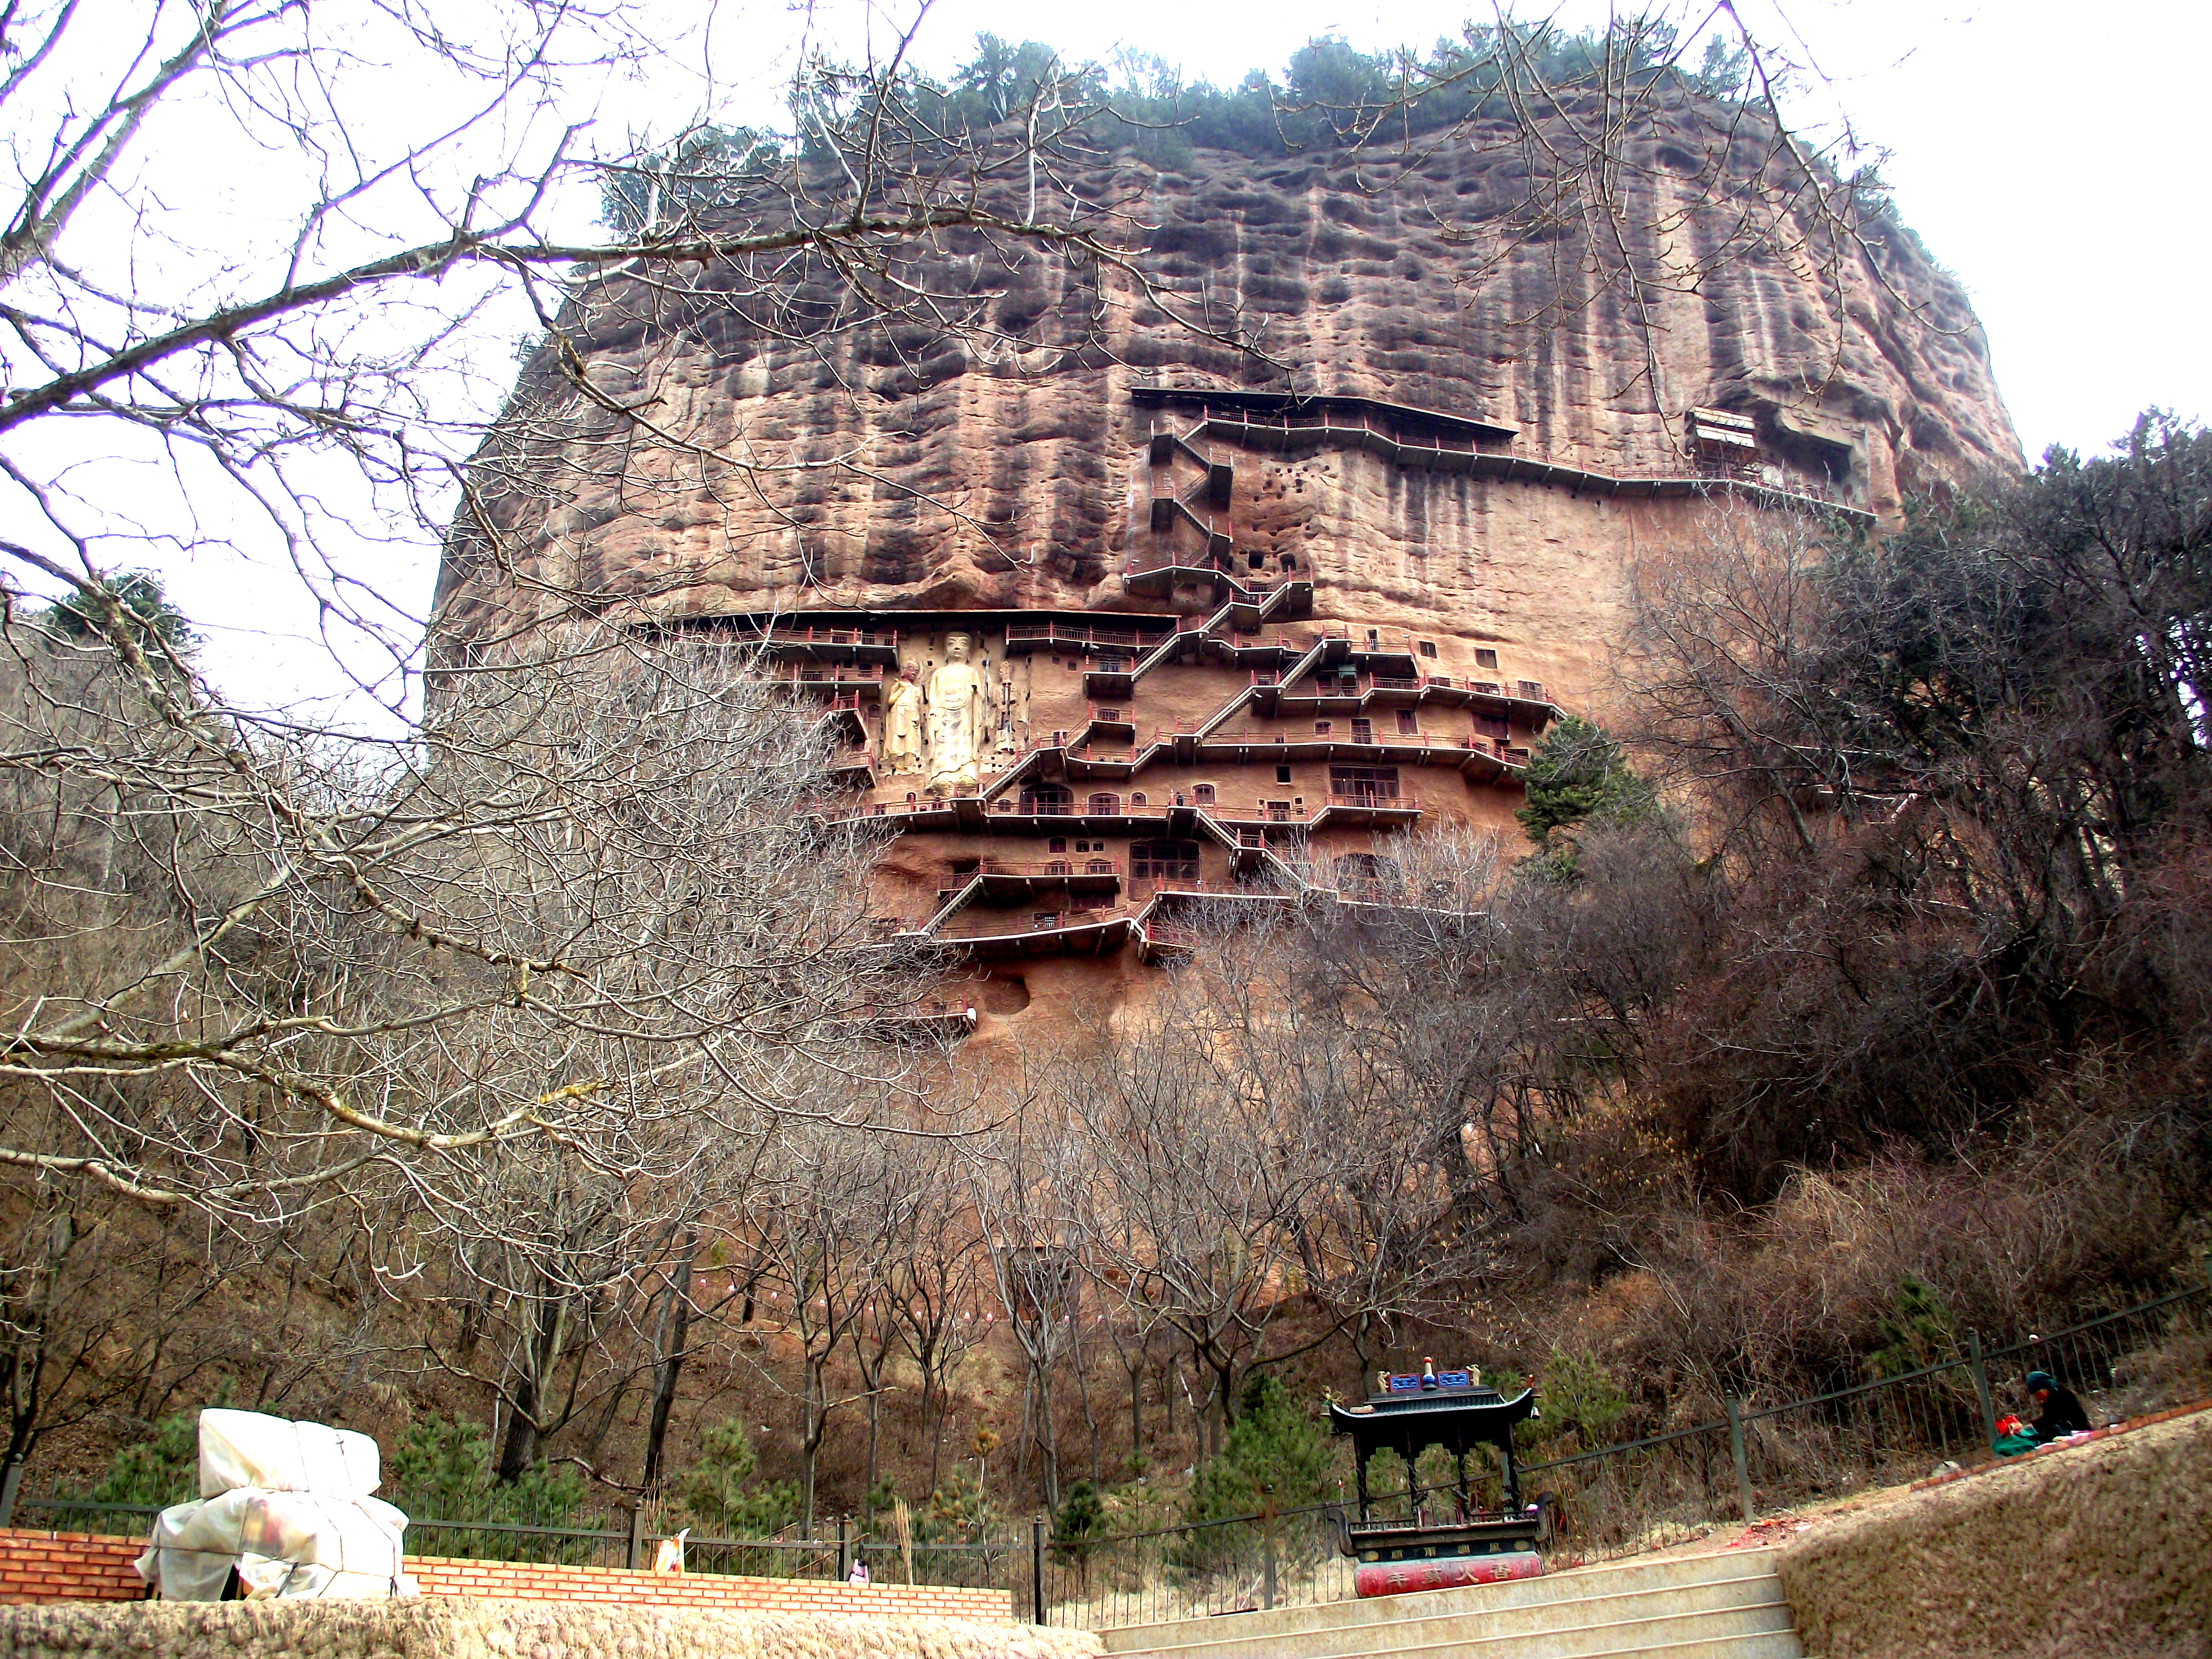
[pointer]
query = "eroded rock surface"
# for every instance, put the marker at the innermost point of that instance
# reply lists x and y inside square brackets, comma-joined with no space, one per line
[1215,654]
[1005,468]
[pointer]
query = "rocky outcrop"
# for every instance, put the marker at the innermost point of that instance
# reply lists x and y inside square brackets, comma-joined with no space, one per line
[1219,642]
[1001,464]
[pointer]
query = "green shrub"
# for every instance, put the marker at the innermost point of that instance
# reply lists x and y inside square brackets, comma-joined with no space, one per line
[162,1469]
[1276,1458]
[718,1495]
[1080,1522]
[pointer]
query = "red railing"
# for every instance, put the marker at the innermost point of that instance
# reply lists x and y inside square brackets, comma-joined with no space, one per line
[1077,864]
[1058,634]
[787,634]
[1694,469]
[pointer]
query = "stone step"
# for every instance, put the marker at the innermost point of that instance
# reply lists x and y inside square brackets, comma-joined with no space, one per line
[1673,1572]
[1423,1632]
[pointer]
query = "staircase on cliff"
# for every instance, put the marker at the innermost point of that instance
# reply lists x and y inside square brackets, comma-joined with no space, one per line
[1724,1606]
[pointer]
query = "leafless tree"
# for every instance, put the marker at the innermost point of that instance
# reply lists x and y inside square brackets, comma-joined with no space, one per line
[827,1242]
[1024,1190]
[939,1285]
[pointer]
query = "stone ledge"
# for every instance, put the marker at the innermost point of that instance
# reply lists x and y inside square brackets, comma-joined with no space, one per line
[455,1627]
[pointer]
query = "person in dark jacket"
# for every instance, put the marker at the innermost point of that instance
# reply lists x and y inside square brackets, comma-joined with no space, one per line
[2061,1411]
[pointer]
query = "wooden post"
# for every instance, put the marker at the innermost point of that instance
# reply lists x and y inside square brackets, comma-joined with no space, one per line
[1735,1445]
[1036,1569]
[1981,1388]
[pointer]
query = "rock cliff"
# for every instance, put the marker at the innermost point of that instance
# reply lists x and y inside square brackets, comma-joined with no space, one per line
[1290,531]
[1000,465]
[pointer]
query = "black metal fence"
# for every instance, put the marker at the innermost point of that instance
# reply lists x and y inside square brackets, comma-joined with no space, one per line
[1611,1501]
[1671,1488]
[627,1538]
[1191,1571]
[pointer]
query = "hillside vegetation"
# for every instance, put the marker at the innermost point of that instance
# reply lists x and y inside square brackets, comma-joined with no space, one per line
[1851,993]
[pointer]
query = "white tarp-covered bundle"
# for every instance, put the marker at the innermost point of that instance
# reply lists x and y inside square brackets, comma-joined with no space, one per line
[285,1505]
[249,1448]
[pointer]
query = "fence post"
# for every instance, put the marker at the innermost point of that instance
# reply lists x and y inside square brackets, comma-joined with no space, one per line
[634,1550]
[1981,1388]
[1036,1569]
[1267,1556]
[1735,1446]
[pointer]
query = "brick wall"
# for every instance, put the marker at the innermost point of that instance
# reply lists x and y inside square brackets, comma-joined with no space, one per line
[68,1566]
[76,1567]
[530,1581]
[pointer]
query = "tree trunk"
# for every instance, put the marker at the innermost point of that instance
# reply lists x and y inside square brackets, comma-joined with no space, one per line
[672,1333]
[539,1355]
[810,1425]
[1137,1410]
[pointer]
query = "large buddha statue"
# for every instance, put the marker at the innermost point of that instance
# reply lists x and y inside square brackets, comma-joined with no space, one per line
[956,704]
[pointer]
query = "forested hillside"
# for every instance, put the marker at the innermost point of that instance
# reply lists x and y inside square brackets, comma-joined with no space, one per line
[1848,993]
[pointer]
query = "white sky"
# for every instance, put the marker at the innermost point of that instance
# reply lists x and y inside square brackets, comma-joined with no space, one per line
[2044,153]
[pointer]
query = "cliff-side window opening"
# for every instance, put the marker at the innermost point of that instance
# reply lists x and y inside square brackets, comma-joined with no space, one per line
[1428,647]
[1364,783]
[1282,775]
[1202,793]
[1163,860]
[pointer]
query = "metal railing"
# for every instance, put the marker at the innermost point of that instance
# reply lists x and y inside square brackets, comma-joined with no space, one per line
[1611,1501]
[1240,1564]
[625,1539]
[1672,1488]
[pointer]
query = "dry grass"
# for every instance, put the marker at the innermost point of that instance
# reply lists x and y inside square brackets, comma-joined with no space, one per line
[443,1628]
[2103,1550]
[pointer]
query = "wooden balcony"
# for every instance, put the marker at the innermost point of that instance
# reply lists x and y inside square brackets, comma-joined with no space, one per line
[1004,879]
[875,646]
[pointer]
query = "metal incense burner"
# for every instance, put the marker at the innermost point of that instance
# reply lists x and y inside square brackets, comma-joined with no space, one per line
[1447,1541]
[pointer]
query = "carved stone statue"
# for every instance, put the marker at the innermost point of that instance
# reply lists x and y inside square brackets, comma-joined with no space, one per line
[901,724]
[957,704]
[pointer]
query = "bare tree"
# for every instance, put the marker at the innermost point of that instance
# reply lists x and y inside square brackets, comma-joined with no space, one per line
[830,1219]
[939,1284]
[1025,1198]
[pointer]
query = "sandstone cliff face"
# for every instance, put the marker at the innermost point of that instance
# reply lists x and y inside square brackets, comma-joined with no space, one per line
[1003,465]
[1322,638]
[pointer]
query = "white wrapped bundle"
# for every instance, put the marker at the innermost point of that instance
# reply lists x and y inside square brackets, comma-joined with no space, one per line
[273,1454]
[282,1543]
